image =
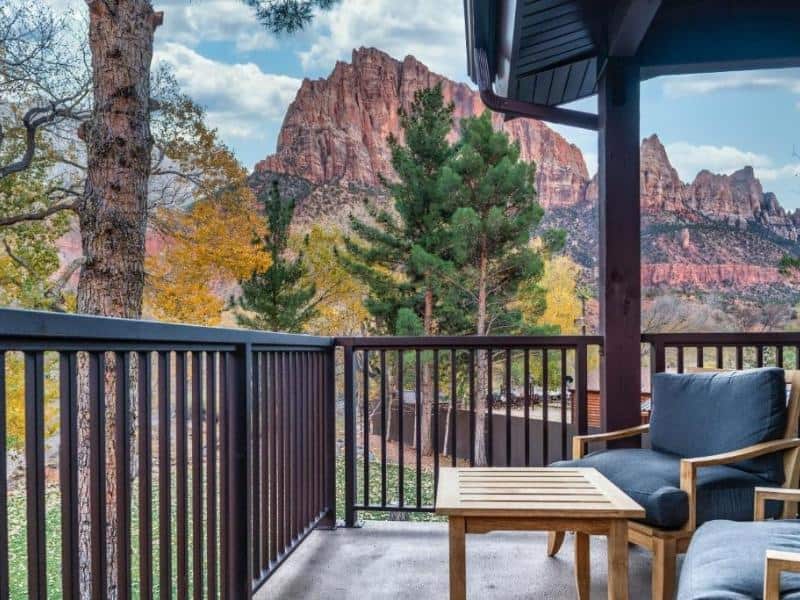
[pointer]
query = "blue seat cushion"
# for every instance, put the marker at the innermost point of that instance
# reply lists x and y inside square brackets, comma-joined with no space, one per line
[652,479]
[725,560]
[700,414]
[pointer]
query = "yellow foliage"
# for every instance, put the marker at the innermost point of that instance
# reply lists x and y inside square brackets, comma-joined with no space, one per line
[339,295]
[15,397]
[211,249]
[563,304]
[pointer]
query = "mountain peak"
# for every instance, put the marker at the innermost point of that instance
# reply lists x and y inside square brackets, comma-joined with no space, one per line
[336,129]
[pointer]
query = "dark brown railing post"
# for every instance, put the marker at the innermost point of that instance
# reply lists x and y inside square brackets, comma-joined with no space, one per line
[239,398]
[349,439]
[657,357]
[581,404]
[329,439]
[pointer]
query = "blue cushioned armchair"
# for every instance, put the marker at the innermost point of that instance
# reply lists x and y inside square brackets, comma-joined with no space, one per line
[729,559]
[714,438]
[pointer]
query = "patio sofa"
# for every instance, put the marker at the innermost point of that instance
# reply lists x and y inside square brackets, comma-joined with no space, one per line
[714,438]
[736,560]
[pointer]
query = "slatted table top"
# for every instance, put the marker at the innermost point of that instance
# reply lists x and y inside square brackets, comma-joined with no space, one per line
[532,492]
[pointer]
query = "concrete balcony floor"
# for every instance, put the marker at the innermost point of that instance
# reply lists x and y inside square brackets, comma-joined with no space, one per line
[401,560]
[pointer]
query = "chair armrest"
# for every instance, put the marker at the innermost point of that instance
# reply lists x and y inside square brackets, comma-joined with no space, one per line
[579,441]
[689,467]
[775,563]
[762,494]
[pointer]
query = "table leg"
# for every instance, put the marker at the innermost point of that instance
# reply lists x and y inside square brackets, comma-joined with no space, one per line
[458,562]
[618,560]
[582,569]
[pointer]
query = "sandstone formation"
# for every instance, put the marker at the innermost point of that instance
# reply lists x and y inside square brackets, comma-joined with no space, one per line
[717,232]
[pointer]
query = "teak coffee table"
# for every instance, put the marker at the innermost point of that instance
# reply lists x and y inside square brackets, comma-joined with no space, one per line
[478,500]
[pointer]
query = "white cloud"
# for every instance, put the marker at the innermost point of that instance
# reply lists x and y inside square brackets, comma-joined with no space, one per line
[689,159]
[190,22]
[693,85]
[431,31]
[239,98]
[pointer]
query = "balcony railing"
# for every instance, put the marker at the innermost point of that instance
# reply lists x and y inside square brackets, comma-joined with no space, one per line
[218,447]
[399,391]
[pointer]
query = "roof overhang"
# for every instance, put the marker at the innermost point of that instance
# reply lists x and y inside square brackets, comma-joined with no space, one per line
[541,54]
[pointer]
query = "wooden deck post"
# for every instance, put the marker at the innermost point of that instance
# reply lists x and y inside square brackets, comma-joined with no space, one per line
[620,260]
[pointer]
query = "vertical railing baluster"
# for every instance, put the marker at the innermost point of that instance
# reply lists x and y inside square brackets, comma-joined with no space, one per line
[453,410]
[508,405]
[719,356]
[471,375]
[563,404]
[489,403]
[293,440]
[266,453]
[273,458]
[779,356]
[253,470]
[164,493]
[384,433]
[739,357]
[67,470]
[700,358]
[679,350]
[181,477]
[97,473]
[329,454]
[435,435]
[211,476]
[400,430]
[526,399]
[365,413]
[418,424]
[581,408]
[285,450]
[224,510]
[349,439]
[144,412]
[197,477]
[34,474]
[122,449]
[760,355]
[545,407]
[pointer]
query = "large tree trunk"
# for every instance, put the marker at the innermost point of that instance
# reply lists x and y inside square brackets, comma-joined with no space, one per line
[484,357]
[113,216]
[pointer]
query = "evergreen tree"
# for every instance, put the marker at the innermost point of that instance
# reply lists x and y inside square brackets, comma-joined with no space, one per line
[490,233]
[277,299]
[401,258]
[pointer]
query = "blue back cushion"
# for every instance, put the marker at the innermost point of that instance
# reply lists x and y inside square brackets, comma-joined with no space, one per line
[699,414]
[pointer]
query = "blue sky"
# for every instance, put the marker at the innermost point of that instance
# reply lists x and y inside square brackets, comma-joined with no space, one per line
[246,78]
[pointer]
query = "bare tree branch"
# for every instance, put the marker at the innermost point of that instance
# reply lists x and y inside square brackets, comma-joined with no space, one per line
[37,215]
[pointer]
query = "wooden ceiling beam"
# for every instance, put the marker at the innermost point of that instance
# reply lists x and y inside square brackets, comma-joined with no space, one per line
[629,24]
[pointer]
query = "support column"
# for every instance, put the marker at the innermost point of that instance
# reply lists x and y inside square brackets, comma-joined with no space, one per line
[620,253]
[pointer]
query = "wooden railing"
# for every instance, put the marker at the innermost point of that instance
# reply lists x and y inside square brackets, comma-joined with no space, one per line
[216,447]
[534,393]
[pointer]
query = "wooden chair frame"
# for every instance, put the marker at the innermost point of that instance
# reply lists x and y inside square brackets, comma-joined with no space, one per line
[776,561]
[665,545]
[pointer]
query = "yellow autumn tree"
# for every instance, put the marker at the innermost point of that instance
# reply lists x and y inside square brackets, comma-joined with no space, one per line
[554,300]
[339,298]
[209,246]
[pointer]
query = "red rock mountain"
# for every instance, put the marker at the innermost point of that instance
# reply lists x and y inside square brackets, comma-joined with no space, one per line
[718,232]
[336,129]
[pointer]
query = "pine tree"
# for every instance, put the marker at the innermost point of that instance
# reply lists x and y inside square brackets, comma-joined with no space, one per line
[402,260]
[277,299]
[490,231]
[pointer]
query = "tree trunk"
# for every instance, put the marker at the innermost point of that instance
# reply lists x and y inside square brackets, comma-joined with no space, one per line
[113,217]
[484,357]
[427,380]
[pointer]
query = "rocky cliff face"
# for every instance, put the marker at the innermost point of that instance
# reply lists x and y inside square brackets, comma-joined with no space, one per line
[718,232]
[336,129]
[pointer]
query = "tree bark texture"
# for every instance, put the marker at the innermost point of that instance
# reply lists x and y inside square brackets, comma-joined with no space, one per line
[483,358]
[112,215]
